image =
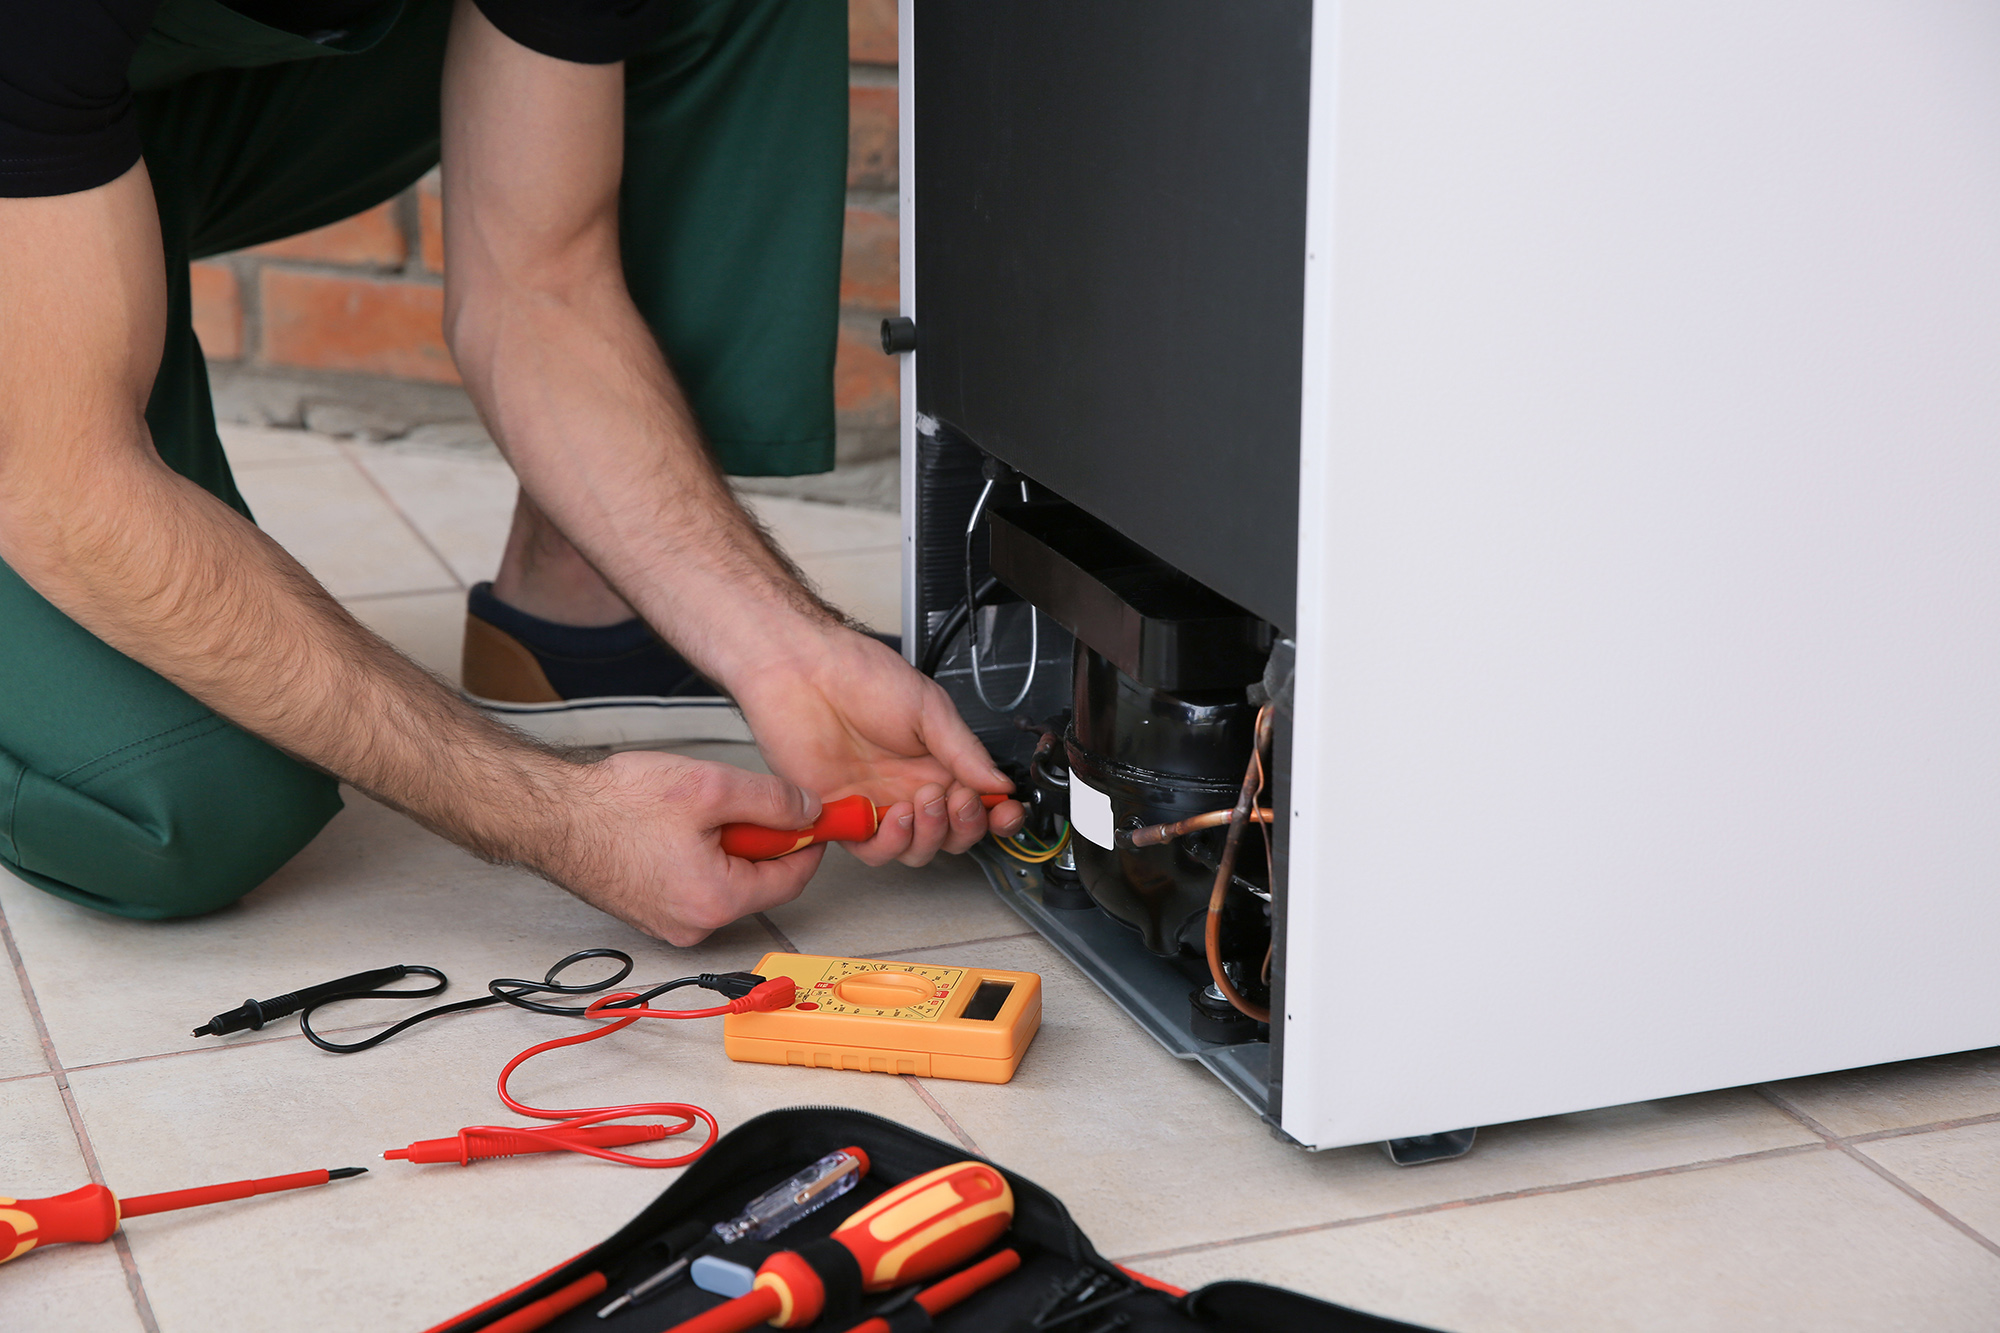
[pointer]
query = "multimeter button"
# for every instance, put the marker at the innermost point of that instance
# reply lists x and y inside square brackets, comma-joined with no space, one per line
[807,1005]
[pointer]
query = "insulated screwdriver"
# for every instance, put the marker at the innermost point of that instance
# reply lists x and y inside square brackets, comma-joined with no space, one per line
[943,1295]
[762,1218]
[849,819]
[914,1231]
[92,1212]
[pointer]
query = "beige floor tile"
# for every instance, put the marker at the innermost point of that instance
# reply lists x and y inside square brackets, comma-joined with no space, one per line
[806,527]
[1813,1243]
[1915,1092]
[428,627]
[865,584]
[67,1287]
[1958,1169]
[859,911]
[404,1246]
[341,529]
[1103,1115]
[20,1044]
[261,446]
[374,889]
[463,505]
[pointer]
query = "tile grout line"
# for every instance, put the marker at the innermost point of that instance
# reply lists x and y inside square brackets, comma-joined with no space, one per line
[937,1109]
[134,1285]
[1509,1196]
[960,944]
[212,1050]
[1907,1131]
[423,539]
[392,596]
[784,940]
[1841,1145]
[923,1093]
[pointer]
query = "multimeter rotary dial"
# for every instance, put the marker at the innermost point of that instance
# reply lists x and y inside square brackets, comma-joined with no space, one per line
[884,990]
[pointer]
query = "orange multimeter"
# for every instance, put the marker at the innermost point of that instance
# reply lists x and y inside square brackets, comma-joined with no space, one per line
[892,1018]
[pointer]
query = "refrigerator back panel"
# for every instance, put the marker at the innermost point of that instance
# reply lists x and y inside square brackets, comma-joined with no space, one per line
[1110,232]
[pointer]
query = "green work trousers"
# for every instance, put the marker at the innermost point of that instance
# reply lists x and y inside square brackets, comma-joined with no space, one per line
[120,791]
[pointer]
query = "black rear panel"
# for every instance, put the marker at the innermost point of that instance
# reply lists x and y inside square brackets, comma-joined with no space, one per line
[1110,252]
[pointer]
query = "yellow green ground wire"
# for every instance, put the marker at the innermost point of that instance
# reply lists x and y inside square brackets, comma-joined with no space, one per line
[1026,849]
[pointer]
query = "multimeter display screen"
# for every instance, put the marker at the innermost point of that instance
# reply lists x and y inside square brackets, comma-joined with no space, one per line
[986,1001]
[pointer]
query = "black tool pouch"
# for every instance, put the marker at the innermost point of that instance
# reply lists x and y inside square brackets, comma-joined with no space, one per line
[1062,1286]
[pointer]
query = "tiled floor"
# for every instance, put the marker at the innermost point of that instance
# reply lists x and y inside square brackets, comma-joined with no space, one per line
[1861,1201]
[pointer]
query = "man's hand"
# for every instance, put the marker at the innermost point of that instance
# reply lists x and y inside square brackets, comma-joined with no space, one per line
[842,713]
[643,844]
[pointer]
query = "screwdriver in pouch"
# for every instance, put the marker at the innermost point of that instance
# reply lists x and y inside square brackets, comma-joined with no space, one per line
[913,1232]
[762,1218]
[256,1013]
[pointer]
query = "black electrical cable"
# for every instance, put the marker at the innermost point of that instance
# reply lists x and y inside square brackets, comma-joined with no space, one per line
[954,621]
[515,991]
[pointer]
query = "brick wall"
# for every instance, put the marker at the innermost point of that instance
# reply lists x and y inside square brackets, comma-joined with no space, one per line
[364,297]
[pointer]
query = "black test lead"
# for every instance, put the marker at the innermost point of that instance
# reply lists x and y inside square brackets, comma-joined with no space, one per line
[255,1013]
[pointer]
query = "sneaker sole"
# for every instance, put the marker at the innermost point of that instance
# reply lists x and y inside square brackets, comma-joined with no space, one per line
[622,721]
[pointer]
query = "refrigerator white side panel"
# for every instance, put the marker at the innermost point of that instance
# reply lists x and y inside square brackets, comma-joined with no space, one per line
[1649,717]
[1312,1088]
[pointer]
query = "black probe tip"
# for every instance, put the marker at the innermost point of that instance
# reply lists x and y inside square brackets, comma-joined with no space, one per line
[201,1031]
[343,1172]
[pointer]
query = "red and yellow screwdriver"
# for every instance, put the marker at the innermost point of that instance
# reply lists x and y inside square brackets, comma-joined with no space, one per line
[849,819]
[920,1228]
[93,1212]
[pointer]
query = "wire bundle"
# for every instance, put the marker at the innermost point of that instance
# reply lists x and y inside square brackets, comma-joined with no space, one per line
[1026,849]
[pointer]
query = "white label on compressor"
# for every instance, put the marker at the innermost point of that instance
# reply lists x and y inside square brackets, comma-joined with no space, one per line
[1089,811]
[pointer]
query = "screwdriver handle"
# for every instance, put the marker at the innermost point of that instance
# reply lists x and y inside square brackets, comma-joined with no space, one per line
[849,819]
[927,1224]
[88,1213]
[920,1228]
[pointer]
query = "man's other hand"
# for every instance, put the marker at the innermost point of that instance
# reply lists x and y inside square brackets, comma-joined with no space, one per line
[839,712]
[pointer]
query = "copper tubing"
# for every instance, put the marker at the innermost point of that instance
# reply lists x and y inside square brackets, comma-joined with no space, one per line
[1152,835]
[1239,819]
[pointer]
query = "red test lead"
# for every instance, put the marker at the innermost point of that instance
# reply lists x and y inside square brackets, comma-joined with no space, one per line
[479,1143]
[580,1130]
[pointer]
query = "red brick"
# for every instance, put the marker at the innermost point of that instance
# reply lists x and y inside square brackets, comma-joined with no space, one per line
[430,222]
[868,261]
[871,32]
[871,138]
[864,379]
[374,325]
[373,238]
[218,310]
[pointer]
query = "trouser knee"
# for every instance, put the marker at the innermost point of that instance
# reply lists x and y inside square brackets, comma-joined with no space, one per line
[181,823]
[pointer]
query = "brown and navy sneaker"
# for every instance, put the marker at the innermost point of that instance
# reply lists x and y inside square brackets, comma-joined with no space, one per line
[570,685]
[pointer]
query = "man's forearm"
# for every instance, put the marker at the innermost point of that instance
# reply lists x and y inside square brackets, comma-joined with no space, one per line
[601,437]
[566,373]
[170,576]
